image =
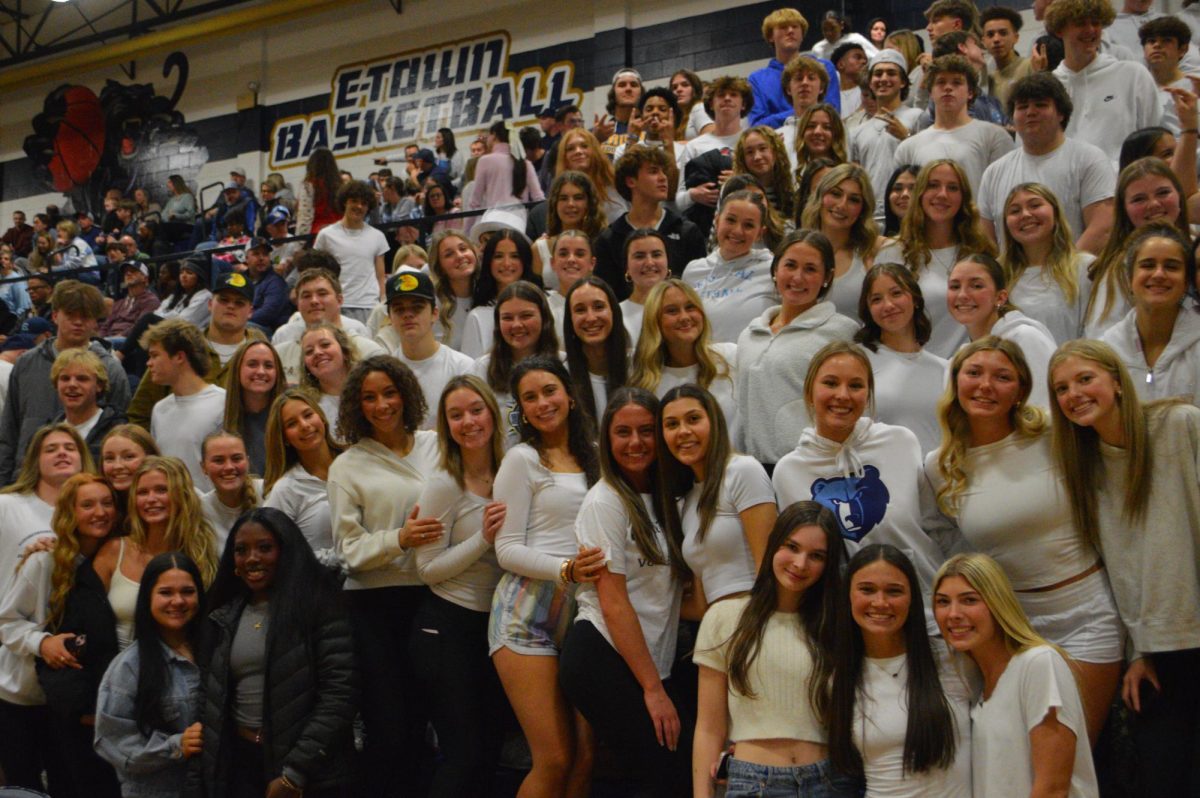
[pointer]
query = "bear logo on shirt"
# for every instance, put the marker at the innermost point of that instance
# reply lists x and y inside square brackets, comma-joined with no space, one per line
[859,503]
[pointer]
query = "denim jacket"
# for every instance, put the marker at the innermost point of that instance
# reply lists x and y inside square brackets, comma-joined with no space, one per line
[148,767]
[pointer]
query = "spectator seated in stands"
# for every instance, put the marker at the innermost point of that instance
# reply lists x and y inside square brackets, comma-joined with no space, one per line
[137,302]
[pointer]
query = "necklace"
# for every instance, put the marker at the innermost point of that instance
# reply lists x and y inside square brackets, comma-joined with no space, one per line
[892,666]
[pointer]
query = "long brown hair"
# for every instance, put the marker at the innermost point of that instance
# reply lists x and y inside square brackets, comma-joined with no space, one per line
[235,408]
[452,460]
[31,473]
[280,454]
[968,229]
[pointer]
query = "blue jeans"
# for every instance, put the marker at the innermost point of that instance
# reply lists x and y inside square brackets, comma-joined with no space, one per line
[747,780]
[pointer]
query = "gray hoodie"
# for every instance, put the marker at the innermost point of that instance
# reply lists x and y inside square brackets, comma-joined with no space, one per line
[1177,370]
[33,401]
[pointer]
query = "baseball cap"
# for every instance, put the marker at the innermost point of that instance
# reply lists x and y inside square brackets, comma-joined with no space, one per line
[232,186]
[20,341]
[237,170]
[137,265]
[235,281]
[278,214]
[426,154]
[256,242]
[889,57]
[35,326]
[410,282]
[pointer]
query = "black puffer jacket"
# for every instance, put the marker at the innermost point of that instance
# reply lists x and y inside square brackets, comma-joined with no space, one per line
[308,709]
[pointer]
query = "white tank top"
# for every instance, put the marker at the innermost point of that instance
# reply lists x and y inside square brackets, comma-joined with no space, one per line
[122,597]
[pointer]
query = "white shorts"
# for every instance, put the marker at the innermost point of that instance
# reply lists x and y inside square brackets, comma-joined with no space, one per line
[1081,617]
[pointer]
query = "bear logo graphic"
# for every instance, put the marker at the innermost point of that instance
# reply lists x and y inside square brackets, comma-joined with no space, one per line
[858,503]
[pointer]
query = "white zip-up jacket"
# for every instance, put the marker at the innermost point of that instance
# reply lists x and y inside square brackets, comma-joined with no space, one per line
[1177,370]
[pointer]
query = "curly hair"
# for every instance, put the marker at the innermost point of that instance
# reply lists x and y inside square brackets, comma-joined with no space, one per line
[631,162]
[729,83]
[1061,13]
[355,189]
[780,185]
[594,220]
[65,527]
[353,425]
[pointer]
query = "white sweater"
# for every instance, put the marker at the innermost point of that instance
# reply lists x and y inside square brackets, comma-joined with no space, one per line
[1112,99]
[371,493]
[1177,370]
[770,376]
[23,612]
[23,518]
[734,292]
[460,566]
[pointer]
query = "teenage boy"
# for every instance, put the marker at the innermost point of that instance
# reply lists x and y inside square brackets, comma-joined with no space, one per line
[412,311]
[177,359]
[358,247]
[1079,174]
[319,299]
[783,29]
[32,399]
[727,101]
[1164,41]
[1112,98]
[873,143]
[850,60]
[1001,32]
[952,83]
[805,83]
[622,102]
[642,180]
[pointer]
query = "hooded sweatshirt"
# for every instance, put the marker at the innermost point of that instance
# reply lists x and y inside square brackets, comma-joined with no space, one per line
[872,484]
[1112,99]
[770,376]
[371,493]
[734,291]
[1037,344]
[1177,370]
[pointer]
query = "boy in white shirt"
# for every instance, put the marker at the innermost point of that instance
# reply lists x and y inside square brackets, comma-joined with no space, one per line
[873,143]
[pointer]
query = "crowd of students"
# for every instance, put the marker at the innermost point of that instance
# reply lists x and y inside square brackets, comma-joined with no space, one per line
[760,454]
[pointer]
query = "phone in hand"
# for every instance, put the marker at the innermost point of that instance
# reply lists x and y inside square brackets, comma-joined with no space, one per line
[723,766]
[75,645]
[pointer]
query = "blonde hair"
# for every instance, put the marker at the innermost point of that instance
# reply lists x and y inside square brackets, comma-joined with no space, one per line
[1026,420]
[783,16]
[405,252]
[447,302]
[968,229]
[837,148]
[65,527]
[188,530]
[80,356]
[650,356]
[451,454]
[782,183]
[31,472]
[349,352]
[828,352]
[280,454]
[248,496]
[1060,264]
[864,234]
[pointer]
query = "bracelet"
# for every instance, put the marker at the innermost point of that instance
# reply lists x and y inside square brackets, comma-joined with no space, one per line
[1192,130]
[562,571]
[571,571]
[287,784]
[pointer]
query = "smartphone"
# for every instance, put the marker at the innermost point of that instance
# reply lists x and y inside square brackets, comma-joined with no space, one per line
[75,645]
[723,766]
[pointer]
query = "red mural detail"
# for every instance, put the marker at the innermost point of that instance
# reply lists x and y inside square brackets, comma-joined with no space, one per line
[79,142]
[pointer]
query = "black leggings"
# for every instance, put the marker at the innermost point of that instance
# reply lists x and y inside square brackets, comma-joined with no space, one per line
[601,686]
[1167,732]
[467,704]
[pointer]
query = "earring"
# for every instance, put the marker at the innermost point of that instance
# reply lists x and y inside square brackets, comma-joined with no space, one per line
[524,420]
[572,405]
[628,279]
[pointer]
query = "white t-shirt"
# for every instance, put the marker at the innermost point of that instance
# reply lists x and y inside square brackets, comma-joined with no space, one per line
[631,315]
[908,387]
[305,500]
[1078,173]
[723,389]
[23,518]
[181,423]
[875,149]
[694,148]
[653,590]
[1041,299]
[881,727]
[225,352]
[296,327]
[433,373]
[723,559]
[1001,759]
[974,145]
[356,251]
[851,100]
[460,566]
[734,292]
[478,331]
[846,288]
[221,517]
[86,427]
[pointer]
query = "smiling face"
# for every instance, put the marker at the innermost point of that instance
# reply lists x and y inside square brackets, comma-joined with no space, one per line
[578,154]
[646,262]
[988,386]
[544,401]
[900,195]
[506,264]
[686,430]
[174,601]
[943,196]
[255,557]
[95,511]
[258,373]
[382,404]
[571,260]
[799,563]
[303,428]
[818,135]
[520,326]
[880,597]
[318,302]
[1081,38]
[840,393]
[152,498]
[886,81]
[631,441]
[890,305]
[59,458]
[469,419]
[78,389]
[323,355]
[759,157]
[841,206]
[571,206]
[356,211]
[681,320]
[119,460]
[1030,219]
[1159,279]
[1152,198]
[457,258]
[591,315]
[800,275]
[971,294]
[962,615]
[225,462]
[1087,393]
[738,226]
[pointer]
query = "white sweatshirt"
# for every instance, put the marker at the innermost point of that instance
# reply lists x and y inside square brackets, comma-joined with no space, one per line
[770,376]
[1112,99]
[371,493]
[23,612]
[23,518]
[908,387]
[1177,370]
[734,292]
[1037,344]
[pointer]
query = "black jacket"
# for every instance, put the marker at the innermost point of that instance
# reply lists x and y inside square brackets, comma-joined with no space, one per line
[70,692]
[109,417]
[685,243]
[308,709]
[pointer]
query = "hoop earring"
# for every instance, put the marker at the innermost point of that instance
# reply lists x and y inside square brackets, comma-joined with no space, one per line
[524,420]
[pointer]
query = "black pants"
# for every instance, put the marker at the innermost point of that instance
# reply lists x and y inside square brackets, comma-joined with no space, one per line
[89,775]
[27,748]
[467,704]
[396,760]
[1167,731]
[247,779]
[600,685]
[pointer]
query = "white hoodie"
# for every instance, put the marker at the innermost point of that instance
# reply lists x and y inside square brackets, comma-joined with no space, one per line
[1177,370]
[1037,344]
[1112,99]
